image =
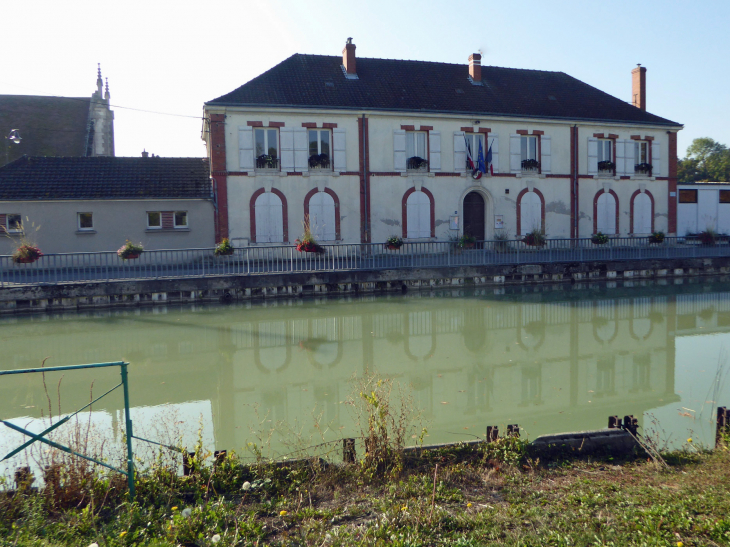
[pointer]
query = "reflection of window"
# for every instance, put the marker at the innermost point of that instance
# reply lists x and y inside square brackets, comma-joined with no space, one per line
[14,224]
[641,373]
[266,148]
[531,385]
[154,220]
[86,221]
[688,196]
[606,377]
[416,156]
[319,148]
[181,219]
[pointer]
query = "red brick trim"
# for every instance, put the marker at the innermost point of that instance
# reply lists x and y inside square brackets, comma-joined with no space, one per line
[485,130]
[218,170]
[672,184]
[631,212]
[573,181]
[595,211]
[404,210]
[612,136]
[467,129]
[536,132]
[236,173]
[649,139]
[284,213]
[519,212]
[408,127]
[329,125]
[442,174]
[636,138]
[598,135]
[337,207]
[276,124]
[386,174]
[522,132]
[363,146]
[255,124]
[309,125]
[426,128]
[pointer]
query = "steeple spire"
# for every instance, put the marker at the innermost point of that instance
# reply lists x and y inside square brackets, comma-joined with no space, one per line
[106,93]
[99,83]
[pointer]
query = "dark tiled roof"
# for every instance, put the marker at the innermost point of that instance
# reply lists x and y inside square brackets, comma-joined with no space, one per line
[384,84]
[49,126]
[42,178]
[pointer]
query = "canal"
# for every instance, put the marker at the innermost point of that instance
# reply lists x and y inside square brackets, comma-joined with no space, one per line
[279,373]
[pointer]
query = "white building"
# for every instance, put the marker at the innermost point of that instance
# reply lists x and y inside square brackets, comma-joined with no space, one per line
[702,206]
[370,148]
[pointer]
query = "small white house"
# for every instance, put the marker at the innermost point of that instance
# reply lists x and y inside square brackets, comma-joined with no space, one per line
[702,206]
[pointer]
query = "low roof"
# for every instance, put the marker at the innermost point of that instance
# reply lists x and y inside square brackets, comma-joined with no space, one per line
[419,86]
[44,178]
[49,126]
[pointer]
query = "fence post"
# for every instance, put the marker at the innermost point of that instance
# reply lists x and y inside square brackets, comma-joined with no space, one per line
[128,427]
[723,424]
[348,451]
[492,433]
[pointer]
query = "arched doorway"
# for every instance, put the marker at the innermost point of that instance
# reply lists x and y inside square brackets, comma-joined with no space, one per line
[474,215]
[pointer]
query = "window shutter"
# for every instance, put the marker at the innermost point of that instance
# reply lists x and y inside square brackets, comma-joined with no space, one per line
[494,143]
[167,220]
[606,214]
[629,160]
[459,152]
[338,148]
[620,156]
[515,154]
[530,213]
[656,164]
[301,149]
[418,211]
[245,148]
[322,216]
[546,161]
[592,156]
[269,218]
[399,150]
[3,221]
[434,150]
[642,214]
[287,148]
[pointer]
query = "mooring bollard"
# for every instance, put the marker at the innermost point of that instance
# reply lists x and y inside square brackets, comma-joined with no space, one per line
[348,451]
[723,424]
[513,430]
[188,458]
[631,424]
[614,422]
[492,433]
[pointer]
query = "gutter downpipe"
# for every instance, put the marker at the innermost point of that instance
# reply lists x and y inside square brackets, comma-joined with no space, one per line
[365,180]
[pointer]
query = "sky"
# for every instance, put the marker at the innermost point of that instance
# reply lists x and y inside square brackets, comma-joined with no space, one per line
[171,57]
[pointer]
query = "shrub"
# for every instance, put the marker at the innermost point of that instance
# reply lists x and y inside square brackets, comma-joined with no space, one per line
[535,238]
[599,239]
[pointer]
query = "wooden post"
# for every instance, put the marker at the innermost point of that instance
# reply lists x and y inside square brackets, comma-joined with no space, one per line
[614,422]
[348,451]
[723,424]
[492,433]
[631,424]
[513,430]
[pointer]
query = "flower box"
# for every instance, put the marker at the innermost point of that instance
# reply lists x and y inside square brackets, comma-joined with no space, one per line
[129,251]
[224,248]
[309,247]
[26,254]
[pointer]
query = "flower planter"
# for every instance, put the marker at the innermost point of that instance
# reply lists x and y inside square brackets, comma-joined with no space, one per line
[130,256]
[392,247]
[224,253]
[467,246]
[28,260]
[310,248]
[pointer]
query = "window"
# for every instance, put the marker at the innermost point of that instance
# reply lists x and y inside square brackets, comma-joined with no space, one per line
[418,215]
[322,221]
[268,213]
[14,224]
[416,155]
[473,140]
[605,156]
[688,196]
[528,153]
[86,221]
[530,213]
[724,196]
[154,220]
[320,155]
[266,148]
[605,213]
[181,219]
[641,157]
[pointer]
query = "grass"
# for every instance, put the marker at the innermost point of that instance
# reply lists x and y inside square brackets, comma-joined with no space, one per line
[496,494]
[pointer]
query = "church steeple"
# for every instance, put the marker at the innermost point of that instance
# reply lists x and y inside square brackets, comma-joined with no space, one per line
[99,82]
[106,93]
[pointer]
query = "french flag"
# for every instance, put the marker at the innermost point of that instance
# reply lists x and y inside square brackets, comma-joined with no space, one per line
[489,160]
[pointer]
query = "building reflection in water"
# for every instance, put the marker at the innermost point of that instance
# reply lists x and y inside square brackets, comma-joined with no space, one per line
[549,361]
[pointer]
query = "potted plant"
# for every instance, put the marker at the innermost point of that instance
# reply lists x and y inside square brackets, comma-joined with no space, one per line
[501,241]
[536,238]
[643,168]
[26,253]
[224,248]
[606,166]
[599,238]
[656,237]
[130,251]
[708,237]
[530,165]
[266,161]
[467,241]
[307,243]
[319,161]
[417,162]
[393,243]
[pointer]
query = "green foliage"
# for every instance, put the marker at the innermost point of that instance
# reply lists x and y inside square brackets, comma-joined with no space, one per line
[599,238]
[706,161]
[224,248]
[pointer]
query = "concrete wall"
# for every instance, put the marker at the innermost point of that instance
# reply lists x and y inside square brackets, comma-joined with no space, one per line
[708,212]
[52,225]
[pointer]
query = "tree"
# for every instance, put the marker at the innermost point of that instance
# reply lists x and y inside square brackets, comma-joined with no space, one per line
[706,161]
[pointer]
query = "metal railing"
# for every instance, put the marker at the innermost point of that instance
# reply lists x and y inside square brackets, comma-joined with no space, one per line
[53,269]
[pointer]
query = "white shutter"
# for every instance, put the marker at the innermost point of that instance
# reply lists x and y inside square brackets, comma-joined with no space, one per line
[656,157]
[338,147]
[269,218]
[546,162]
[629,156]
[592,156]
[287,148]
[245,148]
[434,150]
[418,215]
[399,150]
[515,154]
[620,156]
[530,213]
[459,152]
[322,216]
[642,214]
[494,143]
[606,214]
[301,149]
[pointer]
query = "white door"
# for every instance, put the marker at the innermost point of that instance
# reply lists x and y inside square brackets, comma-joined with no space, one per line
[322,216]
[269,219]
[606,214]
[642,214]
[418,215]
[530,213]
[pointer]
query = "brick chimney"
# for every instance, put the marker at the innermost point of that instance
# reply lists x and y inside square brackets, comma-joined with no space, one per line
[638,87]
[475,67]
[348,57]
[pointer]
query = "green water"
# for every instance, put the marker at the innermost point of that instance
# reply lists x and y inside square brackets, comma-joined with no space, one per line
[551,361]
